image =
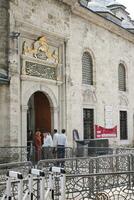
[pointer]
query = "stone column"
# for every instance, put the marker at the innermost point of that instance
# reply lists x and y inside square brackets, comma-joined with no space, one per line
[15,88]
[55,120]
[24,125]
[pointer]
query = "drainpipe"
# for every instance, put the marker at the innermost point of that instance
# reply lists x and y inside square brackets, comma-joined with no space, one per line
[65,85]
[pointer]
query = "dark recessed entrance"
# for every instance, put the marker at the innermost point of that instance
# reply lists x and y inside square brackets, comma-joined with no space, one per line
[88,123]
[38,114]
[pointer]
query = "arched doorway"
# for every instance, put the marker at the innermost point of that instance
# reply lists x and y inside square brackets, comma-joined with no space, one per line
[38,114]
[27,94]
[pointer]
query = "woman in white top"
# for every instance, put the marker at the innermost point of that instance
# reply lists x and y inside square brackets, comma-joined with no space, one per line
[55,142]
[47,140]
[47,146]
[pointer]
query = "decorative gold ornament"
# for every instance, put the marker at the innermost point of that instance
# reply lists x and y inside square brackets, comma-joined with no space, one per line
[40,49]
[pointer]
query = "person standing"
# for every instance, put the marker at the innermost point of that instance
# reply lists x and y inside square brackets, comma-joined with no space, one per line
[61,144]
[55,140]
[47,146]
[37,144]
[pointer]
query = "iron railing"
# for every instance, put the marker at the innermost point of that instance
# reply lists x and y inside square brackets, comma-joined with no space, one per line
[101,164]
[15,154]
[22,167]
[86,165]
[29,153]
[106,186]
[109,176]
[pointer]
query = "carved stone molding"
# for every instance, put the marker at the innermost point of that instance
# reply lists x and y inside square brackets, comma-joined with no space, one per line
[55,109]
[69,80]
[123,100]
[24,108]
[27,93]
[89,96]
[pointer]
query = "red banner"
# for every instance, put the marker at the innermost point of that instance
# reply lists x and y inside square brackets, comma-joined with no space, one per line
[102,132]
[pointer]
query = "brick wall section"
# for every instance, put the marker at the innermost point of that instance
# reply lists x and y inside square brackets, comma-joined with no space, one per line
[4,19]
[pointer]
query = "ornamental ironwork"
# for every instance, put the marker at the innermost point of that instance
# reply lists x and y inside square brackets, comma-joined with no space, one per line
[22,167]
[102,196]
[100,186]
[85,179]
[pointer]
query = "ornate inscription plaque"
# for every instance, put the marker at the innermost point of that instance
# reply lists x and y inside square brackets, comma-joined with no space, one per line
[39,70]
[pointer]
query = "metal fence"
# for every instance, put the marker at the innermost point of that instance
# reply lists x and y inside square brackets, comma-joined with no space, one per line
[22,167]
[106,186]
[21,154]
[16,154]
[86,165]
[109,176]
[83,165]
[33,184]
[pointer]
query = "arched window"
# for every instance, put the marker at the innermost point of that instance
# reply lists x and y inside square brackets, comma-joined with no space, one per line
[122,77]
[87,69]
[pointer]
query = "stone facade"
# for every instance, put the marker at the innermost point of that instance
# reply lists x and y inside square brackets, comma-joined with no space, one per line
[4,88]
[4,20]
[69,31]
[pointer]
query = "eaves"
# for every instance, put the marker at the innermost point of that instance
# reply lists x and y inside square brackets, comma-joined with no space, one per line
[89,15]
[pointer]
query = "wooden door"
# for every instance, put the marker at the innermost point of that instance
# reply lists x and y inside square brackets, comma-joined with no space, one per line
[42,112]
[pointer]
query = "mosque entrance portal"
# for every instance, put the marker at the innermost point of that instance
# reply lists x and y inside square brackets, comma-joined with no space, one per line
[38,114]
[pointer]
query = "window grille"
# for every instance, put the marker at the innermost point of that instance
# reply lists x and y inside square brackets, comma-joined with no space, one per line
[87,69]
[122,78]
[123,125]
[88,123]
